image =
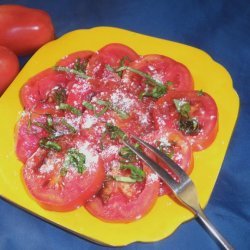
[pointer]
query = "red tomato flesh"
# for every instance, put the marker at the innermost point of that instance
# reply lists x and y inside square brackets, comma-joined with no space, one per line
[162,69]
[111,55]
[38,88]
[203,110]
[175,146]
[124,202]
[57,192]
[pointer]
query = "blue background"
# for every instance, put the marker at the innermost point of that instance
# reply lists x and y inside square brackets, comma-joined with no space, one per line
[221,28]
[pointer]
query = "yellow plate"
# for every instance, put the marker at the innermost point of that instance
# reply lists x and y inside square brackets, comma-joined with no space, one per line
[166,215]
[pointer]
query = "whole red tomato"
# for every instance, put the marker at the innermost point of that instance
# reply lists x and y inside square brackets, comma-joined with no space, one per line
[24,30]
[9,67]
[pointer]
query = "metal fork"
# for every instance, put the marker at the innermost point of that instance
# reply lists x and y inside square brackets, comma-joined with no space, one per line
[183,188]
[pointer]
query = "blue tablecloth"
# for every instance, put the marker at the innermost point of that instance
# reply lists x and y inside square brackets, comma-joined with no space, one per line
[221,28]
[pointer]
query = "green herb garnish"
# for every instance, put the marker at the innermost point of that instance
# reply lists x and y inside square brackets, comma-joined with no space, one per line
[168,149]
[45,126]
[157,92]
[80,65]
[126,179]
[68,126]
[73,110]
[186,124]
[45,143]
[76,159]
[137,174]
[183,107]
[60,95]
[127,154]
[115,132]
[107,106]
[159,88]
[200,92]
[78,73]
[49,120]
[88,105]
[109,68]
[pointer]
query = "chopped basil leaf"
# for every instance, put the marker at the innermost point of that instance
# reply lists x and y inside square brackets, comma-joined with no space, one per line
[200,92]
[126,153]
[59,95]
[49,120]
[78,73]
[126,179]
[115,132]
[136,173]
[183,107]
[88,105]
[168,149]
[106,105]
[121,114]
[148,77]
[47,127]
[73,110]
[76,159]
[122,63]
[108,67]
[80,65]
[68,126]
[157,92]
[45,143]
[188,126]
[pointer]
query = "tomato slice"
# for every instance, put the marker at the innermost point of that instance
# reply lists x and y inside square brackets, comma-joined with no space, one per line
[194,113]
[28,135]
[162,69]
[38,88]
[175,146]
[76,60]
[112,54]
[78,92]
[125,202]
[40,123]
[131,114]
[56,180]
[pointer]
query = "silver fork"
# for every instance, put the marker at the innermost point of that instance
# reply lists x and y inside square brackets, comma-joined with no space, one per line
[184,189]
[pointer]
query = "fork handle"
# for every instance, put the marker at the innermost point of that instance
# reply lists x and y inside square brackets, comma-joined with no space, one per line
[213,230]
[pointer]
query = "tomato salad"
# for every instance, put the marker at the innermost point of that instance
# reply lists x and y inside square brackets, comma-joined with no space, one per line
[77,113]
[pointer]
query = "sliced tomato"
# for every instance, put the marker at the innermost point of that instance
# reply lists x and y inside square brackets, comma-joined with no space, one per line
[125,202]
[112,54]
[28,135]
[76,60]
[175,146]
[163,69]
[138,116]
[55,181]
[199,126]
[42,122]
[78,92]
[39,87]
